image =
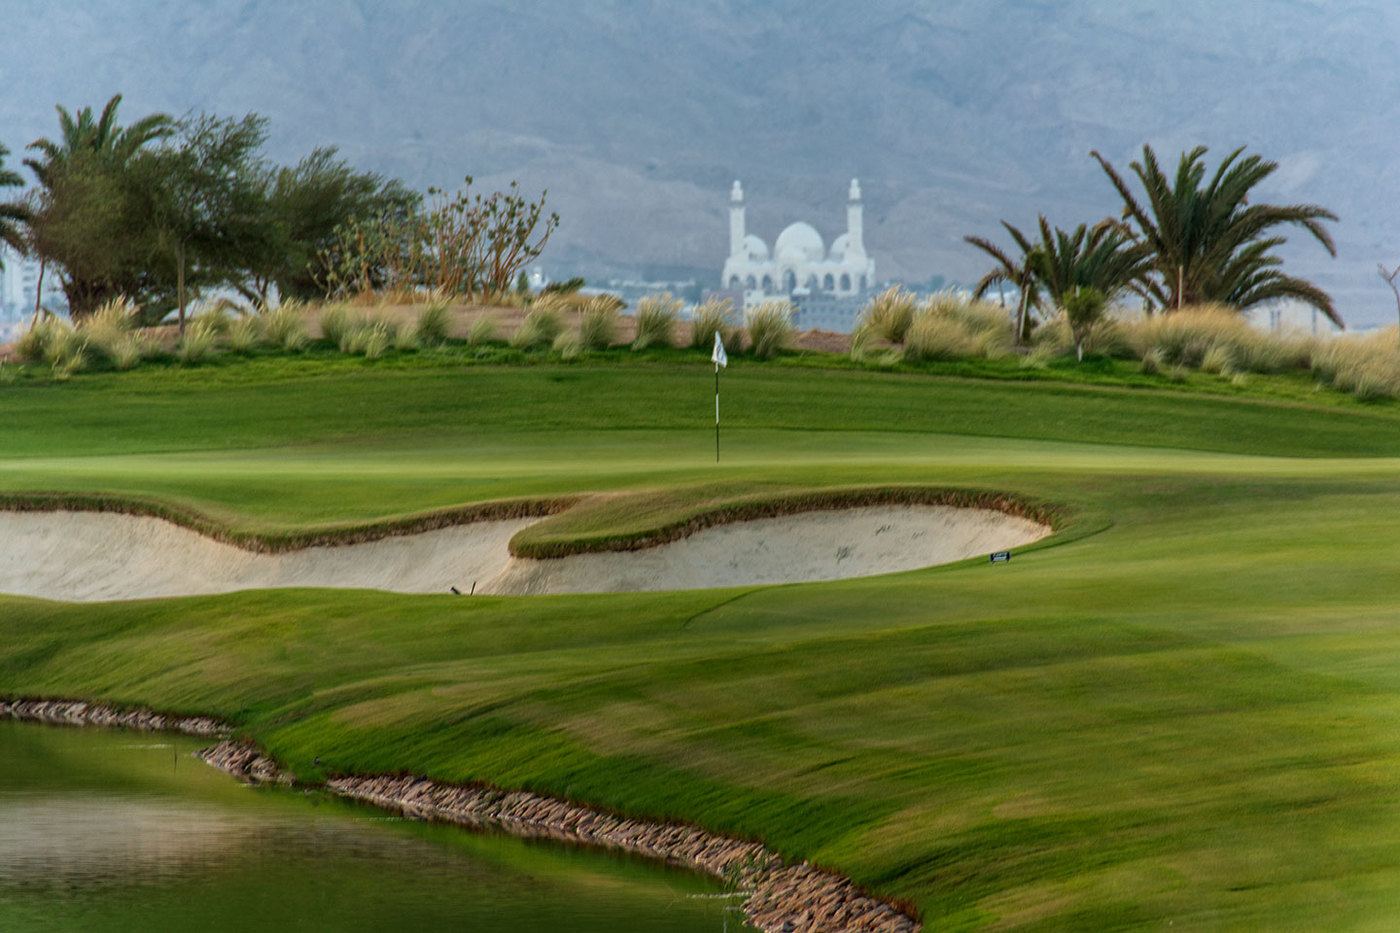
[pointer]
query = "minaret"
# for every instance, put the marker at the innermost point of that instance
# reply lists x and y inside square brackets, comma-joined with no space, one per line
[736,220]
[855,222]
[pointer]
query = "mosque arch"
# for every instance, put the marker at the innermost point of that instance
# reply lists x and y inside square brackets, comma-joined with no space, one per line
[767,283]
[829,283]
[750,283]
[845,281]
[733,281]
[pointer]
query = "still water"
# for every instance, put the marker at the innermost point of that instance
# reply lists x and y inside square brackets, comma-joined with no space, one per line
[126,831]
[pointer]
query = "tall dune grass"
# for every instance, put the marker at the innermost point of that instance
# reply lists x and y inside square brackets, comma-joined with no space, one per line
[947,326]
[887,317]
[715,316]
[656,321]
[770,329]
[597,326]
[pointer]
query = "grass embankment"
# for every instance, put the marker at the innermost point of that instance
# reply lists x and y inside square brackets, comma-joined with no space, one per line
[1191,714]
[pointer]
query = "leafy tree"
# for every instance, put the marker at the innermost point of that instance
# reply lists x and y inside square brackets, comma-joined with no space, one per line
[1207,241]
[304,206]
[205,203]
[13,214]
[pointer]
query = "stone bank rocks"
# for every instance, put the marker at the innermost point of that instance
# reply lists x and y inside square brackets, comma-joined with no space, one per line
[77,713]
[782,897]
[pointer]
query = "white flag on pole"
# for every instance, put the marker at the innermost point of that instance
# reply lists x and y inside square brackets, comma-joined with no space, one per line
[719,357]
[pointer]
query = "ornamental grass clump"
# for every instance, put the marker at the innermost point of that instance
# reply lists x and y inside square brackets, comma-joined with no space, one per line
[937,337]
[284,326]
[887,317]
[369,338]
[245,334]
[1367,367]
[656,320]
[947,326]
[433,324]
[769,328]
[542,325]
[199,341]
[1189,336]
[336,322]
[482,331]
[111,336]
[715,316]
[597,326]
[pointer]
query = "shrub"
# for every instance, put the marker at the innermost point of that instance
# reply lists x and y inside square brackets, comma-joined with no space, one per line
[434,321]
[285,325]
[715,316]
[656,320]
[198,342]
[597,329]
[539,329]
[888,317]
[482,331]
[770,328]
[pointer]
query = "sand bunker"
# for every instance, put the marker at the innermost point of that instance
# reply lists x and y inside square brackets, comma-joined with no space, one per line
[85,556]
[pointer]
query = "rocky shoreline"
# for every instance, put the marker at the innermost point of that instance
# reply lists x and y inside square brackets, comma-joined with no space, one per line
[781,897]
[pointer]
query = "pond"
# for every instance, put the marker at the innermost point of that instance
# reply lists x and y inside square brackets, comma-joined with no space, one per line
[112,830]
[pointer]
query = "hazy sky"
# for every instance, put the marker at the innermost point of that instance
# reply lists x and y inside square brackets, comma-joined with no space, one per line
[637,115]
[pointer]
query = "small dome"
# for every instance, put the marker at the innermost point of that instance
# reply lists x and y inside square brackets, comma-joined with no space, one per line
[799,243]
[838,247]
[755,248]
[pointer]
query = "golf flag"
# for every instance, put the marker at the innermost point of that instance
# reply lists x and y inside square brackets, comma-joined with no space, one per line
[719,358]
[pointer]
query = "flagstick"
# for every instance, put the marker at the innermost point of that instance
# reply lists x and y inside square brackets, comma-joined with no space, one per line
[716,411]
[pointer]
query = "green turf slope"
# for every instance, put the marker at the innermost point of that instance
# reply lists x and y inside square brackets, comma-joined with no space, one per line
[1185,708]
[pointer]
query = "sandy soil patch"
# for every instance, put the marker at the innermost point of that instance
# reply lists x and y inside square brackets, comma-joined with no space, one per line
[86,556]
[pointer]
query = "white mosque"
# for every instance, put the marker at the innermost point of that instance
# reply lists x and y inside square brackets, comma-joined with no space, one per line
[800,264]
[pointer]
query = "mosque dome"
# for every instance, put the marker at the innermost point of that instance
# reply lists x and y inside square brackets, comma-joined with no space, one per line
[798,243]
[755,249]
[838,247]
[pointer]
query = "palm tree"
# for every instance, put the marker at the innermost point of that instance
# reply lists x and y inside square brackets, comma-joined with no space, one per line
[1104,257]
[101,136]
[1207,242]
[12,213]
[1018,272]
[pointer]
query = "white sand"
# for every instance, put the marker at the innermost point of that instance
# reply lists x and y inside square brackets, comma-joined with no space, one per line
[84,556]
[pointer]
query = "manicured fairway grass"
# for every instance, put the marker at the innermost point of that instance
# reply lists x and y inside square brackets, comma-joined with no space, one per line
[1184,708]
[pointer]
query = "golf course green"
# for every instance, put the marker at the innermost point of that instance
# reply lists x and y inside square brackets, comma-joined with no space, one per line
[1182,707]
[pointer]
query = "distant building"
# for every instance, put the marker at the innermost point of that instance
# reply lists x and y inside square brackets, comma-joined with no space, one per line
[19,277]
[826,284]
